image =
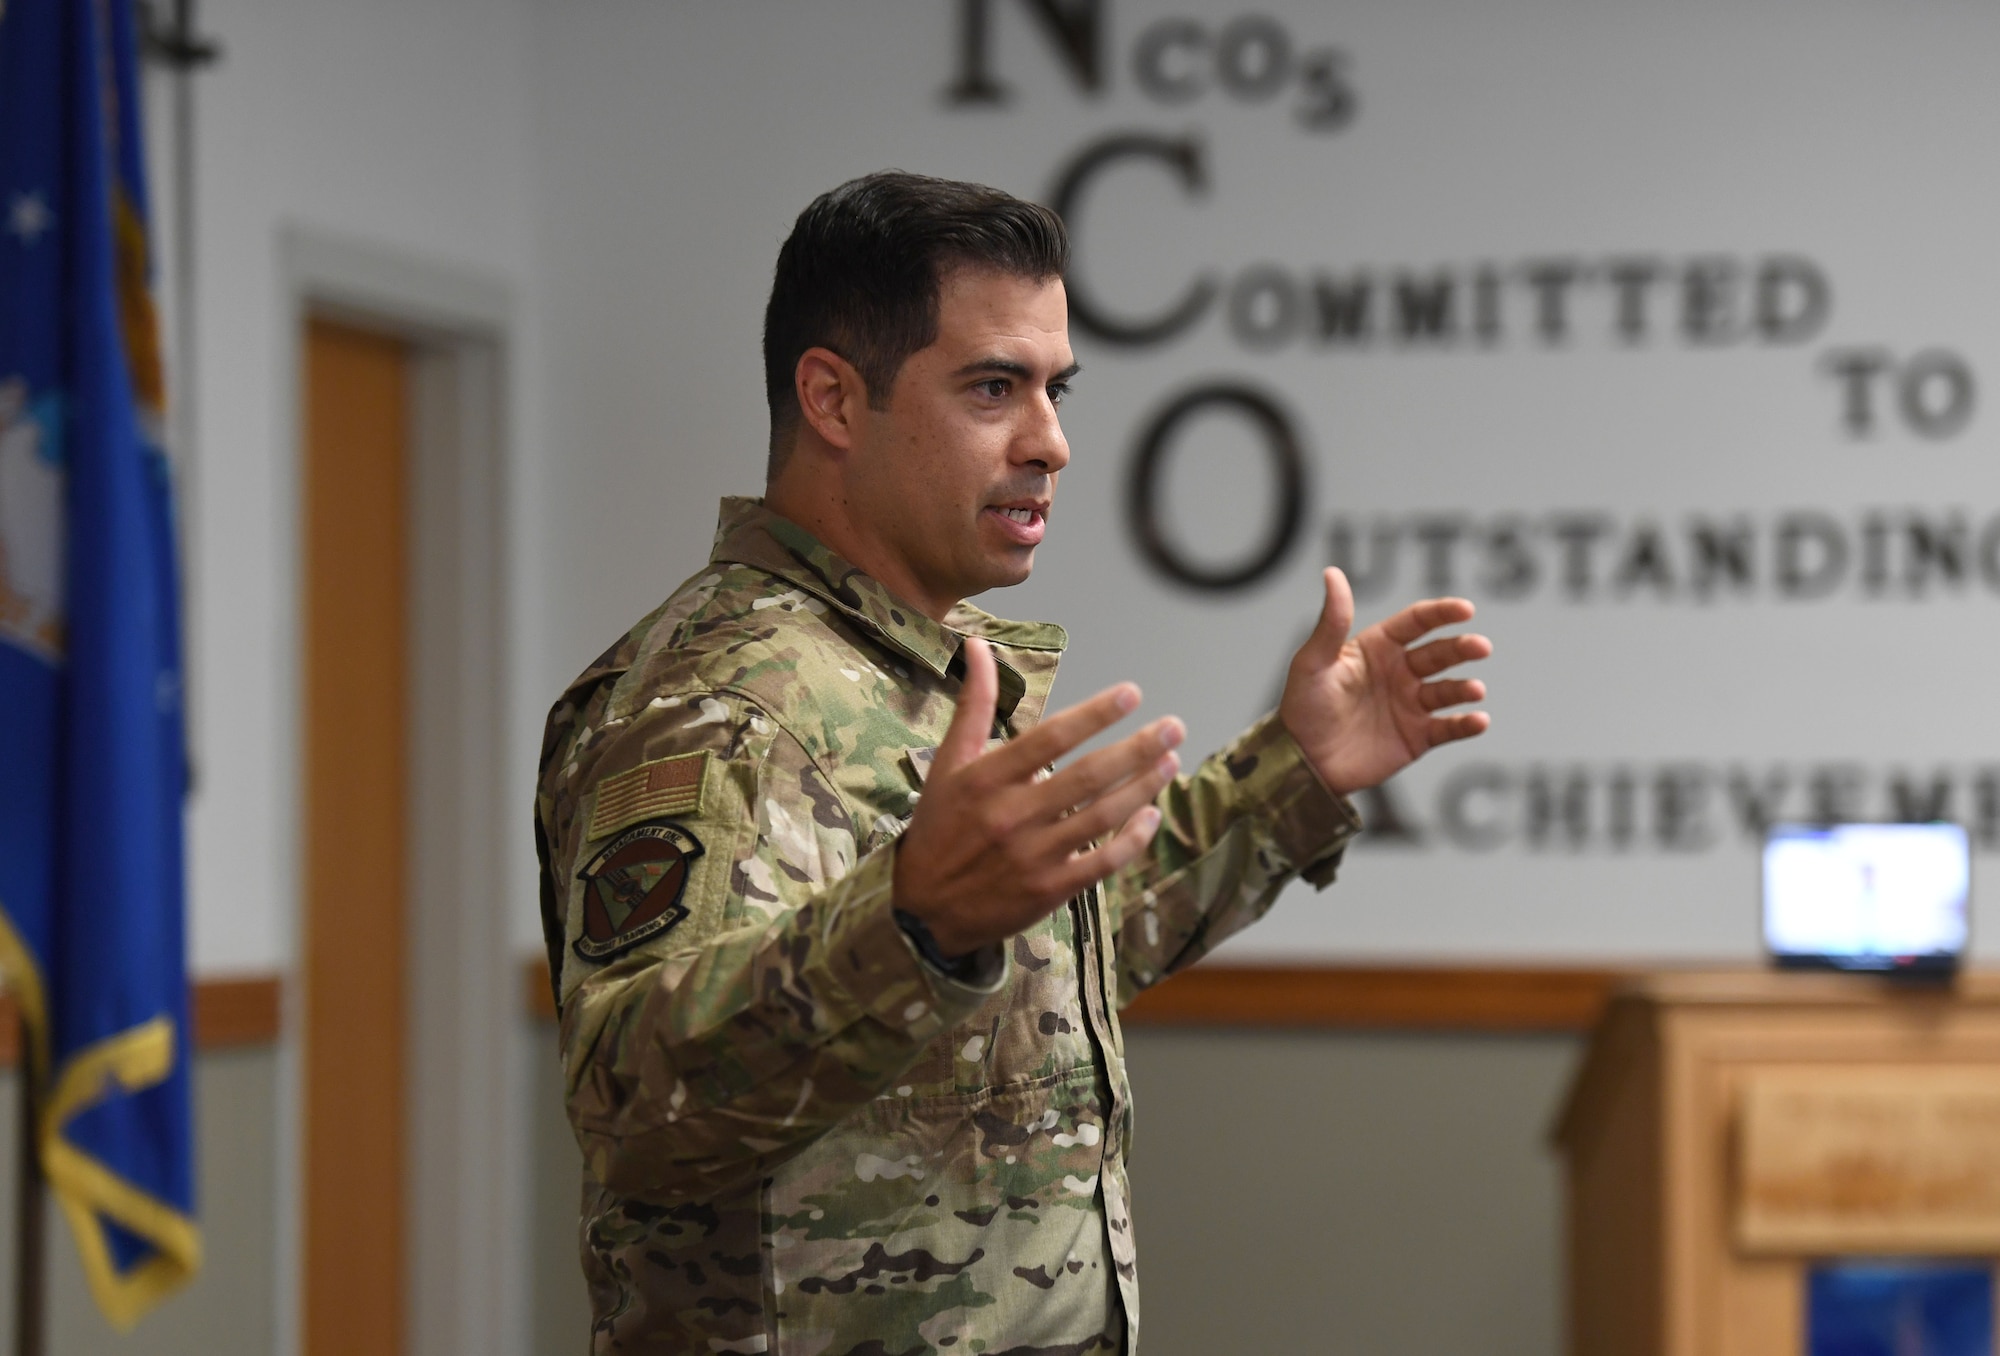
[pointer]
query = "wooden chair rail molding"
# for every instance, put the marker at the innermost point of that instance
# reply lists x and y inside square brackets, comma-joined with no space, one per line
[227,1013]
[1382,997]
[1344,997]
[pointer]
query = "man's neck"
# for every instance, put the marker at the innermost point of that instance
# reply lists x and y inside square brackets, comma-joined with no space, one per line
[819,510]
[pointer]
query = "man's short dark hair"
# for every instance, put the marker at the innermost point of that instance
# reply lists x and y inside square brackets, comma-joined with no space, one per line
[861,270]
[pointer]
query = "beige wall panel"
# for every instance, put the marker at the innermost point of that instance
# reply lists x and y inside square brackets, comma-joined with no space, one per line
[230,1307]
[561,1322]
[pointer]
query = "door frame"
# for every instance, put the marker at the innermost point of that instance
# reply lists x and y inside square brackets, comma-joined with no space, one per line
[466,1169]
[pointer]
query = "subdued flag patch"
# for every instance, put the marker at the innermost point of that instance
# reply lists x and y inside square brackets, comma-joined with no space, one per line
[663,787]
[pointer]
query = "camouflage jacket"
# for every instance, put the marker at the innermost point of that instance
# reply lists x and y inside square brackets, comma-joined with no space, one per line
[798,1136]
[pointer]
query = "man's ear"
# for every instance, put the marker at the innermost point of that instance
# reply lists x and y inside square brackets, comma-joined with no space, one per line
[831,395]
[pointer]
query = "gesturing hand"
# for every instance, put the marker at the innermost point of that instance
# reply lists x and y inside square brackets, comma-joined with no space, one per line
[1361,708]
[992,849]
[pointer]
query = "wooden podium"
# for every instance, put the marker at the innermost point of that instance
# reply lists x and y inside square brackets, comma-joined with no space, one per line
[1727,1130]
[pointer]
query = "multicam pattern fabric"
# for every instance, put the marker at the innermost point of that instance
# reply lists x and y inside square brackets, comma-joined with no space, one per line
[798,1136]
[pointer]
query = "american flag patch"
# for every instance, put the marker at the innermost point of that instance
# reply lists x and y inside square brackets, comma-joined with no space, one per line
[666,786]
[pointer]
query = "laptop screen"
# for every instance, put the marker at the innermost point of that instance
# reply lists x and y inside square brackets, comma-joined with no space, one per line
[1886,897]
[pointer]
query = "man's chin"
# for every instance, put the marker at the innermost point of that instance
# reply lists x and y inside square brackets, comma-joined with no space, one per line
[1005,574]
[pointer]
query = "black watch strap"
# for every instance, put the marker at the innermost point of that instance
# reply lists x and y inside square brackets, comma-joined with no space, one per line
[965,969]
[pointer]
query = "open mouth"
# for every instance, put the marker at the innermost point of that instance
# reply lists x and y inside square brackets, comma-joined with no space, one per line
[1023,524]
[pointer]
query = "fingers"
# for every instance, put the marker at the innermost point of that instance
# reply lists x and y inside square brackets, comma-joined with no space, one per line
[1071,833]
[1336,614]
[1418,619]
[1114,853]
[972,721]
[1019,759]
[1439,655]
[1464,725]
[1092,775]
[1451,692]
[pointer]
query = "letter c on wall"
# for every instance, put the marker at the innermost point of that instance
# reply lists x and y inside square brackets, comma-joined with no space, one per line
[1184,158]
[1287,488]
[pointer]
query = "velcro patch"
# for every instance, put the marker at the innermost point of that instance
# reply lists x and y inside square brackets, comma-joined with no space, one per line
[632,889]
[655,790]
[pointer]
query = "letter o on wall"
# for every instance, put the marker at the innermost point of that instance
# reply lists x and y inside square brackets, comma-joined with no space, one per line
[1924,378]
[1287,487]
[1264,307]
[1253,57]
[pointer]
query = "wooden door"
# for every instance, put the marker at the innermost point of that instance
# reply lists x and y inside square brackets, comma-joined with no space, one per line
[357,423]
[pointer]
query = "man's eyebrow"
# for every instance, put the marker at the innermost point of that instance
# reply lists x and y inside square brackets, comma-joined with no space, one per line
[1008,367]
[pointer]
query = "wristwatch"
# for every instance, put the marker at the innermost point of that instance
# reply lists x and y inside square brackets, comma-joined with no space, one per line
[965,969]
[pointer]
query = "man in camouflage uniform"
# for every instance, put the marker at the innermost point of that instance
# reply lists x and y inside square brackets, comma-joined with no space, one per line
[838,956]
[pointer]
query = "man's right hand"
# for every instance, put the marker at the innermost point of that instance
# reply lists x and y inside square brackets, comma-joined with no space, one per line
[994,847]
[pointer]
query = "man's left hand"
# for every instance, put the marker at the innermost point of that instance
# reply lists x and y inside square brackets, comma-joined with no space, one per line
[1365,707]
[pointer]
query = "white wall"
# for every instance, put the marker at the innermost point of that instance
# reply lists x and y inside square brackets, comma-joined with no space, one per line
[677,141]
[405,127]
[628,169]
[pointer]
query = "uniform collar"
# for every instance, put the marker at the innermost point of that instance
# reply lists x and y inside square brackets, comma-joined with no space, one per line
[747,533]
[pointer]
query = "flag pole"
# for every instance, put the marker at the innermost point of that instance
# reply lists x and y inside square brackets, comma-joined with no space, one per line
[30,1237]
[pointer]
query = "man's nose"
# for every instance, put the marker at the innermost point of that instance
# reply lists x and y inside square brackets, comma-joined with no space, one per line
[1042,444]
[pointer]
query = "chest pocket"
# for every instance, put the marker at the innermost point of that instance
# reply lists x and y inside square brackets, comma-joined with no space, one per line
[1033,1029]
[891,820]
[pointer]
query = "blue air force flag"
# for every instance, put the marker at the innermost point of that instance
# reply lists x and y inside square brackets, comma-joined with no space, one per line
[92,763]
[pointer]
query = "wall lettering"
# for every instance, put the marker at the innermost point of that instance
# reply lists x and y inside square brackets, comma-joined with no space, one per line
[1286,495]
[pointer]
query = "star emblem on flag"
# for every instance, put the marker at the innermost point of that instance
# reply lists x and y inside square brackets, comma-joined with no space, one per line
[28,217]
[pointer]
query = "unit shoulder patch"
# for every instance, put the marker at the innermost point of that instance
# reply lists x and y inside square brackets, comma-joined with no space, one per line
[632,889]
[663,788]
